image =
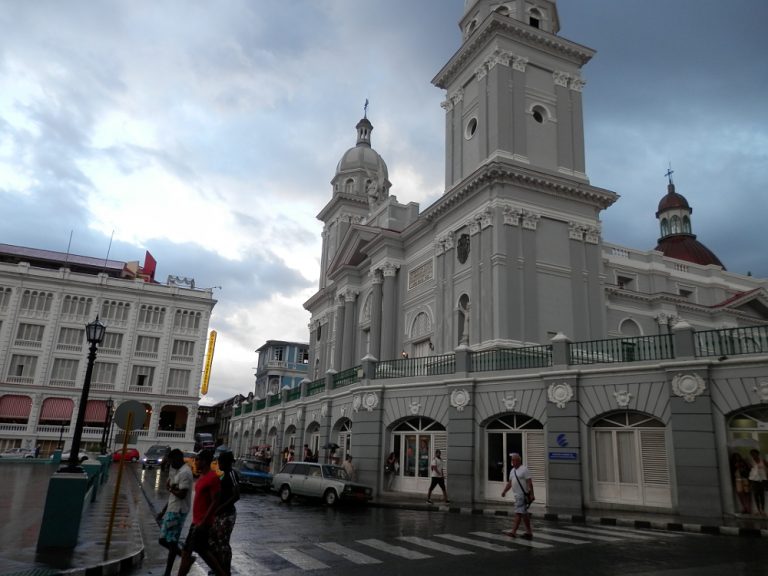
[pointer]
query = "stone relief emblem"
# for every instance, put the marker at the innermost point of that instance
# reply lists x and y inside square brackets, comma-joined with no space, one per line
[510,403]
[560,394]
[279,419]
[459,399]
[343,411]
[357,401]
[762,390]
[622,398]
[688,386]
[324,410]
[370,401]
[300,413]
[462,249]
[414,406]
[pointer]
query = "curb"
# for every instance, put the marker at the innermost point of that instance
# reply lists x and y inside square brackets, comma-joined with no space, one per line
[714,530]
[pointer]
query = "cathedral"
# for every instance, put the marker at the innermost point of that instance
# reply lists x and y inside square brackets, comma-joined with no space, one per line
[498,319]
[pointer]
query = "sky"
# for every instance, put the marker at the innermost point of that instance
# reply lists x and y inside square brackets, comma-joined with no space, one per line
[208,132]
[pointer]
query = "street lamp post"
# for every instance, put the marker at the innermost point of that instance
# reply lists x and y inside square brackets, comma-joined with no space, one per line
[107,421]
[94,333]
[61,436]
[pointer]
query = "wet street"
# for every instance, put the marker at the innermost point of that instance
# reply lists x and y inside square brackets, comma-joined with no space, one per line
[306,537]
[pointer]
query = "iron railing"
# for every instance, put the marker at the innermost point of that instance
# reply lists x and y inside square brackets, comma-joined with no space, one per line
[732,341]
[511,358]
[294,394]
[615,350]
[316,387]
[346,377]
[412,367]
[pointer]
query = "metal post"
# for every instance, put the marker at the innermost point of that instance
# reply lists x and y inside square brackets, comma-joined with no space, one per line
[61,437]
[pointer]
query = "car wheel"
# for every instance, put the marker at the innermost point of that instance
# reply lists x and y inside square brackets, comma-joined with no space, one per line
[285,493]
[330,497]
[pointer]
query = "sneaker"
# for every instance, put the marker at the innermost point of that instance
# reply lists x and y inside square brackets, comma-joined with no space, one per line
[429,501]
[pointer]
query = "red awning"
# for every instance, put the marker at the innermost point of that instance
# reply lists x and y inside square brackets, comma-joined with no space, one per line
[96,412]
[15,406]
[57,409]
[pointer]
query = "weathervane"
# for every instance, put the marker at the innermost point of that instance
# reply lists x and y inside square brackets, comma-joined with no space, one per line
[668,174]
[365,109]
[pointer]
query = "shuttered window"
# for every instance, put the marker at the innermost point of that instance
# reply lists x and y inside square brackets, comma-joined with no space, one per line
[653,449]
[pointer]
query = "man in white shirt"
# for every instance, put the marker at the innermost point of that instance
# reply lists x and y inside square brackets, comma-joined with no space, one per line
[179,484]
[438,478]
[521,484]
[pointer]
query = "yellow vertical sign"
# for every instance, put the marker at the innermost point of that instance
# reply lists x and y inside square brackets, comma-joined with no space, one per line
[208,362]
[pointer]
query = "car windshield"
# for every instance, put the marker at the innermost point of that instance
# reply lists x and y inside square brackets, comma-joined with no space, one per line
[253,465]
[155,450]
[336,472]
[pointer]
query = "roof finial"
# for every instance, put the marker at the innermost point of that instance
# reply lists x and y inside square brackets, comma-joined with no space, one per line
[669,174]
[365,109]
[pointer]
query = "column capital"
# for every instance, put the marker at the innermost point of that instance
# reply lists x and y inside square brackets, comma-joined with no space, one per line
[390,269]
[376,276]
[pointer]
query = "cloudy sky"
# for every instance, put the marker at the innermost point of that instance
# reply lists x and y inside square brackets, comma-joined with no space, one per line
[208,132]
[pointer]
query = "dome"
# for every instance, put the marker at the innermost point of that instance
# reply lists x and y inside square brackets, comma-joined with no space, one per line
[686,247]
[672,201]
[362,157]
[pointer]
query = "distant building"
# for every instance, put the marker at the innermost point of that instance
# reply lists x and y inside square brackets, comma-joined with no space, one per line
[215,419]
[281,365]
[152,352]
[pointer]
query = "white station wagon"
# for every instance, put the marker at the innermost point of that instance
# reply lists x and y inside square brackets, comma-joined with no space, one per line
[325,481]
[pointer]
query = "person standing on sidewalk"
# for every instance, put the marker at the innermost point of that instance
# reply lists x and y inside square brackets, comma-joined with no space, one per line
[175,512]
[349,468]
[521,484]
[226,513]
[438,478]
[204,506]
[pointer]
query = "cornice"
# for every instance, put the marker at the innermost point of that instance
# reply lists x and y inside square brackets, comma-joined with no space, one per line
[345,199]
[495,172]
[532,36]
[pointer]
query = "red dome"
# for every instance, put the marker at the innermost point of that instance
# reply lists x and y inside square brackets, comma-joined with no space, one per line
[672,201]
[686,247]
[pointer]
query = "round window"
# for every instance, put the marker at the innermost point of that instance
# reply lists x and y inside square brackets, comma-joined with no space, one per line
[538,114]
[471,128]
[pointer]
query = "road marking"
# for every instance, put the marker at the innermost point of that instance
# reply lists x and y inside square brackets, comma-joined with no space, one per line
[478,543]
[303,561]
[591,536]
[590,530]
[348,553]
[520,541]
[435,545]
[392,549]
[541,536]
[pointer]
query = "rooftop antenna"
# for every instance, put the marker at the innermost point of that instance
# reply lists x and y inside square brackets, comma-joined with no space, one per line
[109,248]
[669,174]
[69,245]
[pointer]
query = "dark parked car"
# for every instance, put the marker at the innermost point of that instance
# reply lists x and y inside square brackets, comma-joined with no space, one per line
[325,481]
[253,473]
[156,455]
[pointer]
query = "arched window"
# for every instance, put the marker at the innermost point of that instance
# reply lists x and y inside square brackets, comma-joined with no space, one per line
[349,186]
[630,328]
[421,325]
[664,227]
[534,18]
[675,225]
[686,225]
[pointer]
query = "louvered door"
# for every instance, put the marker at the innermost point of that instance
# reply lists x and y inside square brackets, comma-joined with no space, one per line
[535,458]
[655,467]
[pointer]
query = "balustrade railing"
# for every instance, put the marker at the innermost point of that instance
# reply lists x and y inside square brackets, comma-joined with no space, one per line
[346,377]
[511,358]
[316,387]
[615,350]
[412,367]
[732,341]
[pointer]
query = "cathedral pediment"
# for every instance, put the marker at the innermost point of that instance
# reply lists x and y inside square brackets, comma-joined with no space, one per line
[352,251]
[752,303]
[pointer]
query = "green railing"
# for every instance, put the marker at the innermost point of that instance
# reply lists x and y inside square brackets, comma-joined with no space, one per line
[247,407]
[294,394]
[732,341]
[237,410]
[412,367]
[346,377]
[511,358]
[615,350]
[274,399]
[316,387]
[261,404]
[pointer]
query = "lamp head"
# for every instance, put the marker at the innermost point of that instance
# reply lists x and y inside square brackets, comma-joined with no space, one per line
[94,332]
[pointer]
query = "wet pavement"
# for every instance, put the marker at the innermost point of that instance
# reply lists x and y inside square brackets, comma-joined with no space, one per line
[273,537]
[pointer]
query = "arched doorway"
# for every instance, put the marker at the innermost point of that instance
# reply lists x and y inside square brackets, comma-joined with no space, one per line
[514,433]
[343,431]
[629,464]
[747,430]
[414,442]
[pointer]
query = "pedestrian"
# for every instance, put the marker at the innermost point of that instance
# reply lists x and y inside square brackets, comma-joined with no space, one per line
[307,453]
[349,468]
[226,513]
[204,505]
[172,516]
[437,471]
[740,471]
[37,451]
[758,476]
[391,468]
[521,484]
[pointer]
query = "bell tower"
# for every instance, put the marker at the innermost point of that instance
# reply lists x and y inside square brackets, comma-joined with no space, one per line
[513,91]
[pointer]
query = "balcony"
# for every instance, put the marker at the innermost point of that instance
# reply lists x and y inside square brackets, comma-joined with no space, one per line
[28,343]
[69,347]
[180,358]
[19,379]
[146,355]
[61,383]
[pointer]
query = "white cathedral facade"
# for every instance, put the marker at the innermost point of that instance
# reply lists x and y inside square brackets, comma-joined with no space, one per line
[498,320]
